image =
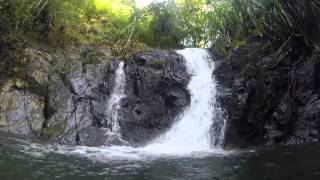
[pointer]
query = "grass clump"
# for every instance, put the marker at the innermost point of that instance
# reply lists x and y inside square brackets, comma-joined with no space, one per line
[159,62]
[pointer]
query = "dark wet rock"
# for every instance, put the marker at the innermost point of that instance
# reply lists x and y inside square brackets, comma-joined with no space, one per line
[156,92]
[271,98]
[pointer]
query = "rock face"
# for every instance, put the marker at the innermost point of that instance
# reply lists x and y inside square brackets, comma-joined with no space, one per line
[57,94]
[156,93]
[62,94]
[76,107]
[271,99]
[21,111]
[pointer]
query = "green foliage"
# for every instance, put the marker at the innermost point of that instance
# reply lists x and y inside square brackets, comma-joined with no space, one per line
[126,29]
[92,20]
[18,14]
[74,21]
[191,16]
[156,25]
[232,21]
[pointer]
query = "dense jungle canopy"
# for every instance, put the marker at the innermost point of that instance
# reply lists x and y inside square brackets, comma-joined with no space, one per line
[124,25]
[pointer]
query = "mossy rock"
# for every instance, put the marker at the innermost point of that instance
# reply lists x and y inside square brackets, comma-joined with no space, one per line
[14,82]
[159,61]
[54,131]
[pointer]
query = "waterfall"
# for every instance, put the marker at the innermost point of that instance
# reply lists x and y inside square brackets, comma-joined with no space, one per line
[191,132]
[199,130]
[113,104]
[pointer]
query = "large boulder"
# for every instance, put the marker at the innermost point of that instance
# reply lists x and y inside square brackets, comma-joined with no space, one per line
[21,111]
[156,92]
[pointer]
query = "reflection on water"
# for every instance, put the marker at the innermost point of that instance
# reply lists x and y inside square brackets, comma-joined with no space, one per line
[293,163]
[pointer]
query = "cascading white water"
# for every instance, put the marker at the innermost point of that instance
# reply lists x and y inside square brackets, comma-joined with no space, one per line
[191,132]
[113,104]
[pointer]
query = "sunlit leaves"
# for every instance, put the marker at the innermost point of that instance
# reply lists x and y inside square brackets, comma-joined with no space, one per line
[118,9]
[192,22]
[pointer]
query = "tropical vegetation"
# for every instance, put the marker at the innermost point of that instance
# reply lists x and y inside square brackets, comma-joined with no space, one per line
[124,27]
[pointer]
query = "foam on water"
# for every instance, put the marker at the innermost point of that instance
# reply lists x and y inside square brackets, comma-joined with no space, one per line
[107,154]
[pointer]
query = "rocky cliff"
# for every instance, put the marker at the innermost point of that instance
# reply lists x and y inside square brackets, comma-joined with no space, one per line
[272,97]
[61,94]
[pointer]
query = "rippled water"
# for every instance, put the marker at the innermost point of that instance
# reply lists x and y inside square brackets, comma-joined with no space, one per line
[29,160]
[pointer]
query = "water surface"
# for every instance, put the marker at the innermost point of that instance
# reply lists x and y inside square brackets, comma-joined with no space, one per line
[29,160]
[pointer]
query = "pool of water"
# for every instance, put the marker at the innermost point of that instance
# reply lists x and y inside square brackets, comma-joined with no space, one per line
[22,159]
